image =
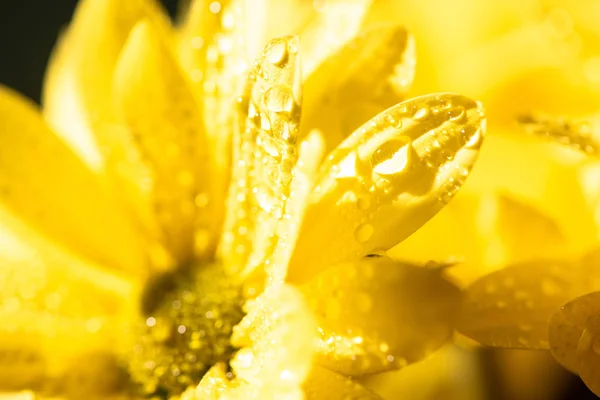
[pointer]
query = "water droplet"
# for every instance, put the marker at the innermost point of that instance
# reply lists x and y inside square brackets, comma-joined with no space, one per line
[277,52]
[392,156]
[422,113]
[215,7]
[279,99]
[475,140]
[363,233]
[458,115]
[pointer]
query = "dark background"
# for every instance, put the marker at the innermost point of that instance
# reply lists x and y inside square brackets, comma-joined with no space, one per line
[28,31]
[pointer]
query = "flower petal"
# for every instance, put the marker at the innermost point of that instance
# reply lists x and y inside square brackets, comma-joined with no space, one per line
[337,22]
[575,338]
[54,309]
[581,135]
[265,152]
[487,231]
[163,118]
[76,93]
[513,307]
[325,384]
[49,187]
[368,74]
[377,315]
[387,179]
[277,337]
[211,49]
[543,175]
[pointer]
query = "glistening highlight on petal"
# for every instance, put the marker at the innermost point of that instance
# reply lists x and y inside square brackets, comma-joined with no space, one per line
[387,179]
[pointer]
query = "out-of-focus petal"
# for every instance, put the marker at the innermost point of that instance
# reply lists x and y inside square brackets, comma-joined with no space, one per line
[265,152]
[377,315]
[387,179]
[484,232]
[581,135]
[513,307]
[49,187]
[277,339]
[162,116]
[76,95]
[368,74]
[575,338]
[337,22]
[212,47]
[544,176]
[451,373]
[325,384]
[58,315]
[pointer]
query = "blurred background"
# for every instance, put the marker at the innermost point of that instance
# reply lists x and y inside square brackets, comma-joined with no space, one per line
[29,29]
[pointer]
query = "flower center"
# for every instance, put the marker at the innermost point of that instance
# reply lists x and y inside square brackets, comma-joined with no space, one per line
[186,332]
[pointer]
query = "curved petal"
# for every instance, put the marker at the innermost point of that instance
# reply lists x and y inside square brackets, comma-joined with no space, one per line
[213,48]
[61,317]
[387,179]
[50,188]
[265,152]
[377,315]
[513,307]
[579,134]
[370,73]
[544,176]
[336,22]
[575,338]
[76,95]
[162,116]
[487,231]
[325,384]
[450,374]
[277,337]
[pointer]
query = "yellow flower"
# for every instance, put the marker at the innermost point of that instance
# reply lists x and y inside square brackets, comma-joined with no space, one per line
[183,221]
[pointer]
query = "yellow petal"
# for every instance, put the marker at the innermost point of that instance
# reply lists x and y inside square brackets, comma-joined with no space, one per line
[513,307]
[49,187]
[265,152]
[450,374]
[278,338]
[76,94]
[542,175]
[216,65]
[336,22]
[162,116]
[54,309]
[387,179]
[575,338]
[581,135]
[325,384]
[377,315]
[368,74]
[487,231]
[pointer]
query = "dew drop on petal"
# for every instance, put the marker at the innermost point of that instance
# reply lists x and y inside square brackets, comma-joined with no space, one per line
[392,156]
[279,99]
[277,53]
[421,113]
[363,233]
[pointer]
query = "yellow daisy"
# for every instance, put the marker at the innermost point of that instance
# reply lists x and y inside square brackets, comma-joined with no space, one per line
[192,216]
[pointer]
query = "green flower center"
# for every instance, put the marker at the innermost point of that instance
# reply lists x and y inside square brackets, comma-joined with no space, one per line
[185,332]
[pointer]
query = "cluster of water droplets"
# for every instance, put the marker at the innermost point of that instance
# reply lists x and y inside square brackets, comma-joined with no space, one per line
[188,333]
[265,150]
[411,158]
[513,307]
[577,134]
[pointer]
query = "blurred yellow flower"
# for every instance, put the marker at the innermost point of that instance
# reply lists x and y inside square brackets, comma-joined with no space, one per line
[185,221]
